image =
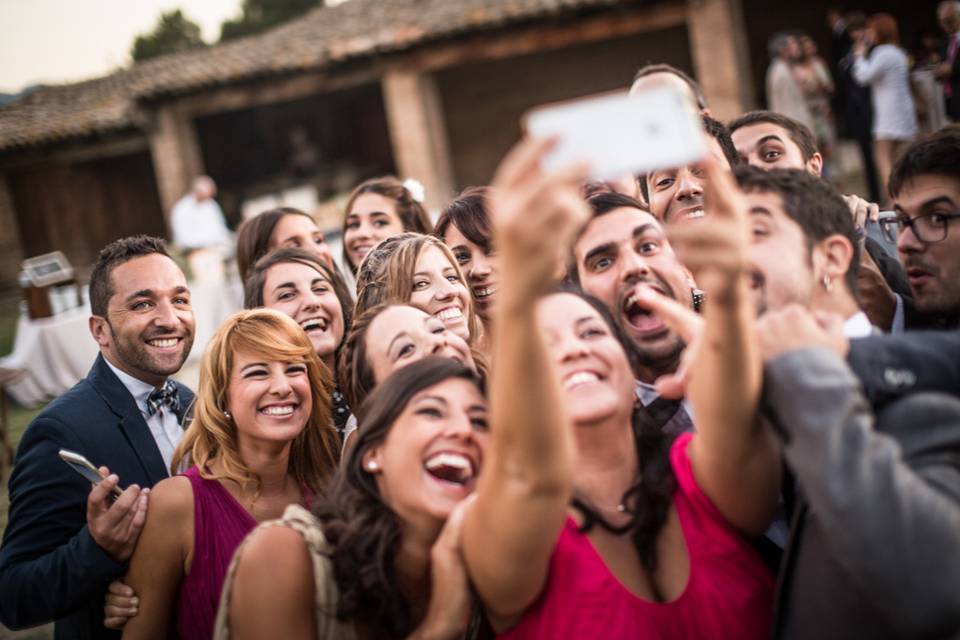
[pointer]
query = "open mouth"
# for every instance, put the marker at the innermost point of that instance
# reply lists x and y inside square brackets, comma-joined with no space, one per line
[278,410]
[164,343]
[483,292]
[453,468]
[641,318]
[315,324]
[578,378]
[449,314]
[362,249]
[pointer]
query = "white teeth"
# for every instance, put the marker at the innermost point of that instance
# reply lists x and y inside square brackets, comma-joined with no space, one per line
[449,313]
[283,410]
[314,323]
[631,300]
[578,378]
[454,460]
[163,343]
[696,213]
[484,292]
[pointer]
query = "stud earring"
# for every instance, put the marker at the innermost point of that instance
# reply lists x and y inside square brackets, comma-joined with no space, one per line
[372,466]
[226,414]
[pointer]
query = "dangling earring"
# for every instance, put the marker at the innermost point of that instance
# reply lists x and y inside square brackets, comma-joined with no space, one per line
[827,283]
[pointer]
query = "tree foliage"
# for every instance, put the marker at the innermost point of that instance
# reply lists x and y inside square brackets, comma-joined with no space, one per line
[260,15]
[173,32]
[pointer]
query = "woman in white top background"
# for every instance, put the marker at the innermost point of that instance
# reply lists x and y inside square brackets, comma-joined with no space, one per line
[885,70]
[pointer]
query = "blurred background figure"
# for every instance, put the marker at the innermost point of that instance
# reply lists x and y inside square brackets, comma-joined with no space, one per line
[816,83]
[784,94]
[885,69]
[200,230]
[853,102]
[948,71]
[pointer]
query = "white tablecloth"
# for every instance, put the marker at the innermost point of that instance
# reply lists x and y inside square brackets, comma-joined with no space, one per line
[57,352]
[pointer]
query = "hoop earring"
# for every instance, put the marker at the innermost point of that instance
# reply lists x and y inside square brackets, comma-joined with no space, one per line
[827,283]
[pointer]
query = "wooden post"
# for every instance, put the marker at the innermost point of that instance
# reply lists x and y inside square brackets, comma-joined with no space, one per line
[718,47]
[11,254]
[418,133]
[177,159]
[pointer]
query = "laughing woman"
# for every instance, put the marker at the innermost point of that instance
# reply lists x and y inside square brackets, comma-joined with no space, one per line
[588,522]
[465,227]
[295,282]
[376,210]
[420,271]
[261,439]
[377,560]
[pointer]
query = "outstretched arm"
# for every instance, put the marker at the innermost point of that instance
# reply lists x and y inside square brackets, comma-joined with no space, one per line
[526,484]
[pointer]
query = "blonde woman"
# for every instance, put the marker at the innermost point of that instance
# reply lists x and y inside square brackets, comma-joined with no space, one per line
[261,439]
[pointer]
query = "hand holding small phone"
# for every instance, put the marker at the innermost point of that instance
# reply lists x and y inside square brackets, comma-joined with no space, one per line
[115,517]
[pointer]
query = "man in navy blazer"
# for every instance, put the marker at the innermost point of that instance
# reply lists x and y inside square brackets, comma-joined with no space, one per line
[64,541]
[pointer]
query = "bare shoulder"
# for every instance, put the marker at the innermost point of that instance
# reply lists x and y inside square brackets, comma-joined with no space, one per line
[172,497]
[275,551]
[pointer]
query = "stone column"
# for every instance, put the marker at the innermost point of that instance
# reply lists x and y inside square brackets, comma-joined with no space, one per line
[177,159]
[719,49]
[418,133]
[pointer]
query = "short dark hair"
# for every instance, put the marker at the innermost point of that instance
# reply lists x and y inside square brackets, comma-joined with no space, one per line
[257,278]
[600,203]
[718,132]
[110,257]
[798,132]
[937,153]
[468,213]
[650,69]
[812,203]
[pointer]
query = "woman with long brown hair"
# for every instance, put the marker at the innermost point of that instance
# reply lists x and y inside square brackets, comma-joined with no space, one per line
[376,560]
[280,228]
[261,439]
[376,210]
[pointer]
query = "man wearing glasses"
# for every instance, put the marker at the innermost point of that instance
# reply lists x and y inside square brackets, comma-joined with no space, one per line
[925,185]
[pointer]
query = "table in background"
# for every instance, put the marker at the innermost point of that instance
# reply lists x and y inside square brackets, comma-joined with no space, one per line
[57,352]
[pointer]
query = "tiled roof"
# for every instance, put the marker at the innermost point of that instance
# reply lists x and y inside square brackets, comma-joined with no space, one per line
[323,37]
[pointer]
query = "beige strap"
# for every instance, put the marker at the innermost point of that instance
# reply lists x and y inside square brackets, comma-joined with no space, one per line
[327,594]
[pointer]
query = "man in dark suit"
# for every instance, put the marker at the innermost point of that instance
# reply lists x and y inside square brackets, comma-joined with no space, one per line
[872,548]
[65,542]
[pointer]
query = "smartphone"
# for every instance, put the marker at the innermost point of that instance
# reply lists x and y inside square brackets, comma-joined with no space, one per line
[621,134]
[875,230]
[85,468]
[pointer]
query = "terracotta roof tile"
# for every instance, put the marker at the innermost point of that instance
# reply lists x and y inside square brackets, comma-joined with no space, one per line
[323,37]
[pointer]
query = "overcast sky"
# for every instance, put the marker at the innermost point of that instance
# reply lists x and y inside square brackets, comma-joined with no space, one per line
[67,40]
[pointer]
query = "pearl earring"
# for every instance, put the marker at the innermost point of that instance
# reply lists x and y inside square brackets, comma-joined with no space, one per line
[226,414]
[372,466]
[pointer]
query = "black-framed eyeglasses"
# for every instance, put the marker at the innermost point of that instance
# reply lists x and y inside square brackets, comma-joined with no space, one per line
[930,227]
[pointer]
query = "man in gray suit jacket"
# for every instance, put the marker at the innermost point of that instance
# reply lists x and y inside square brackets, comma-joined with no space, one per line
[874,533]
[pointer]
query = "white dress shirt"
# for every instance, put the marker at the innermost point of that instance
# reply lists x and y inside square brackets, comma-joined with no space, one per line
[858,326]
[164,426]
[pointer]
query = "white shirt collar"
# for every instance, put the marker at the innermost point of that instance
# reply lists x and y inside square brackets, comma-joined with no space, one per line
[137,388]
[858,326]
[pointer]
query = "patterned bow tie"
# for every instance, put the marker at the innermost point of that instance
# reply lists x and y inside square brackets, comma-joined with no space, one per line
[168,395]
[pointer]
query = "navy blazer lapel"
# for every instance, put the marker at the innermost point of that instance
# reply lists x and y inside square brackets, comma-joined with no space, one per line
[132,424]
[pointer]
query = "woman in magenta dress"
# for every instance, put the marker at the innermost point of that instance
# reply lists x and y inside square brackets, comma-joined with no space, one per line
[261,439]
[655,543]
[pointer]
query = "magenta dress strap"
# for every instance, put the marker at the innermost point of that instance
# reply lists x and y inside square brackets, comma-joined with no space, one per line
[220,524]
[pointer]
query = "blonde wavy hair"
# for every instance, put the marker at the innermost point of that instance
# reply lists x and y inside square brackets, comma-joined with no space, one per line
[212,436]
[386,276]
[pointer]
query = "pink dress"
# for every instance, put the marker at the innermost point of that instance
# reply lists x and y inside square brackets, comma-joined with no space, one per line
[220,524]
[729,594]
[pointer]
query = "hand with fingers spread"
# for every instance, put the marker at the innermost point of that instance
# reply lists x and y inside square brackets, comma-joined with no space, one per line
[121,605]
[794,327]
[714,248]
[685,323]
[535,214]
[116,525]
